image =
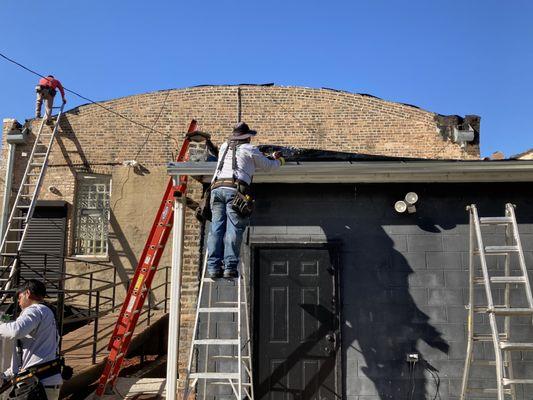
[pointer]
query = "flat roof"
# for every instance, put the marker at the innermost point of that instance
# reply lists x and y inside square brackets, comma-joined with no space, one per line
[377,171]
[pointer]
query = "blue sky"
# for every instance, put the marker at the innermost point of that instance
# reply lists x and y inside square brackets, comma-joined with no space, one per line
[447,56]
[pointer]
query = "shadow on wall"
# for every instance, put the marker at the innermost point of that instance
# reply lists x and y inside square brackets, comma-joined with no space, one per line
[384,324]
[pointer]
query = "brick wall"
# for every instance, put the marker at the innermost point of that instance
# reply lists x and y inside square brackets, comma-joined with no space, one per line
[94,140]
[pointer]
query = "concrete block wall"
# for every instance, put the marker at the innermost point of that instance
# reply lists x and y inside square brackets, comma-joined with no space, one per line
[404,278]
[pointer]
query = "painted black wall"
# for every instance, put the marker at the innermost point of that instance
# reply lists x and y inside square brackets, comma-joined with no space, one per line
[404,277]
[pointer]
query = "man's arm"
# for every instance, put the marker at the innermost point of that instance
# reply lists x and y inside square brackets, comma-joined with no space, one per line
[23,325]
[62,91]
[262,162]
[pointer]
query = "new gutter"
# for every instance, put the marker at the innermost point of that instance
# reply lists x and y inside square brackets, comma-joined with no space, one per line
[377,171]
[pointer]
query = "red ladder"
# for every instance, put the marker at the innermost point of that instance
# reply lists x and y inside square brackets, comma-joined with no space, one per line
[145,271]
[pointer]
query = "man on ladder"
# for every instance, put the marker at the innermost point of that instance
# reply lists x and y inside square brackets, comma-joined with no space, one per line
[231,199]
[46,90]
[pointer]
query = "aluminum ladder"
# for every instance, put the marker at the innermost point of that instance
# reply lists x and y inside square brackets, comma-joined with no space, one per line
[27,195]
[239,363]
[500,330]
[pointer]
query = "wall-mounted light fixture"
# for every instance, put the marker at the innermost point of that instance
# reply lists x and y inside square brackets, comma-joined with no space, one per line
[408,204]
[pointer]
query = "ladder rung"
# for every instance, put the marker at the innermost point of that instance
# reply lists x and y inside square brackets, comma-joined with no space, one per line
[217,341]
[488,337]
[19,217]
[12,241]
[36,164]
[495,220]
[488,363]
[500,249]
[507,381]
[16,230]
[228,383]
[218,309]
[487,390]
[33,174]
[23,206]
[507,279]
[229,357]
[39,154]
[517,346]
[214,375]
[513,311]
[29,184]
[8,254]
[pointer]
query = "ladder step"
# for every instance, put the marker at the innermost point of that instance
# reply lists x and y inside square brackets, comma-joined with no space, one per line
[507,381]
[218,309]
[215,375]
[488,337]
[500,249]
[517,346]
[229,357]
[36,164]
[23,206]
[29,184]
[508,279]
[39,154]
[487,390]
[495,220]
[489,363]
[19,217]
[16,230]
[234,342]
[228,383]
[12,241]
[513,311]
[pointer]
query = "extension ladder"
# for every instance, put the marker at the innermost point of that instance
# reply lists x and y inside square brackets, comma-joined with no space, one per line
[145,270]
[24,205]
[500,336]
[239,362]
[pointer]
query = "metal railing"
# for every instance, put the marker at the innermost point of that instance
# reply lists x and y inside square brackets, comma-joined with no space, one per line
[96,294]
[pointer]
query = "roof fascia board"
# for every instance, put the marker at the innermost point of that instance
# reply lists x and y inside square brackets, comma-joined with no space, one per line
[377,171]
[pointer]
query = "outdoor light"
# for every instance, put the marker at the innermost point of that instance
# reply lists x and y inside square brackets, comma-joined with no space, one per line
[400,206]
[411,198]
[408,204]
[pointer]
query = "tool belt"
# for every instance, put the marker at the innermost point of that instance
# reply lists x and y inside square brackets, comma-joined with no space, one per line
[28,381]
[229,183]
[45,90]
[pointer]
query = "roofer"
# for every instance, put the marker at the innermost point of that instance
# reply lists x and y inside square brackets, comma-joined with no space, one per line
[36,337]
[231,199]
[46,90]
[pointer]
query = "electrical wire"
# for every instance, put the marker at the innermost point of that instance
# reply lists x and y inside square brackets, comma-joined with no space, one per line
[90,100]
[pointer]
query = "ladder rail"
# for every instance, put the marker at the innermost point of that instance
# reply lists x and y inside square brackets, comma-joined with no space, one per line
[34,196]
[521,258]
[470,322]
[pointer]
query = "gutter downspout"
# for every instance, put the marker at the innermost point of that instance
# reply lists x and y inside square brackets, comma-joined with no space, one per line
[175,295]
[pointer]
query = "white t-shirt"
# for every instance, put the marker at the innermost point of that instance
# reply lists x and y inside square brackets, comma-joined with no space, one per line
[36,329]
[249,159]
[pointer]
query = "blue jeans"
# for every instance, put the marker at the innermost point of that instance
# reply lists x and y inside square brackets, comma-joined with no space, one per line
[225,235]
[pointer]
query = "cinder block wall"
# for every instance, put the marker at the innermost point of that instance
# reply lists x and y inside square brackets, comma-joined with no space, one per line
[404,278]
[94,140]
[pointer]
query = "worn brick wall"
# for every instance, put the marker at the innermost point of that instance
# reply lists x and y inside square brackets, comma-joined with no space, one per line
[91,139]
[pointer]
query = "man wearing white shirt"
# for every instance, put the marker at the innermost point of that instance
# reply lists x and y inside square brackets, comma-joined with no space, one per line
[238,161]
[35,331]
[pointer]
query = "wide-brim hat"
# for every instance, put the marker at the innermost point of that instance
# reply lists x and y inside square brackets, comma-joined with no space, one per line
[242,131]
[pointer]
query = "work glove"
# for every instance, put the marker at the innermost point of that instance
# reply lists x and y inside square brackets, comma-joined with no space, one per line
[64,101]
[277,156]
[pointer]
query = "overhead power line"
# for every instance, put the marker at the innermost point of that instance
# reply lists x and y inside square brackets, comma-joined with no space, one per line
[90,100]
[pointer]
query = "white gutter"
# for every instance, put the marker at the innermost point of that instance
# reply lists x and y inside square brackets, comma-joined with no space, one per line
[378,171]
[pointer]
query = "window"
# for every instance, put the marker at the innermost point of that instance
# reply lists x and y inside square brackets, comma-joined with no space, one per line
[92,215]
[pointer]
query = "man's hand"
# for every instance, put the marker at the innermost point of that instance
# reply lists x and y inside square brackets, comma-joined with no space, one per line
[64,101]
[276,155]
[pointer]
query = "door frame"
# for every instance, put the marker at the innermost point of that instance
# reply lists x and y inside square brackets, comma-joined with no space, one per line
[334,249]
